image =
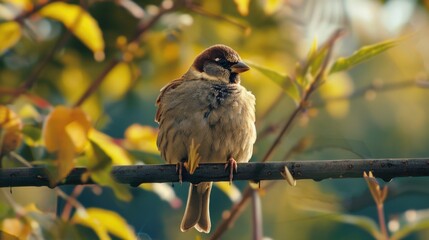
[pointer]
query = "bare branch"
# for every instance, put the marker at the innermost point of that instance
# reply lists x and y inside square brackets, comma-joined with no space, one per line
[134,175]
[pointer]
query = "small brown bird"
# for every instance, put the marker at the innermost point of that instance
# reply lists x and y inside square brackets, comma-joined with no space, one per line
[209,106]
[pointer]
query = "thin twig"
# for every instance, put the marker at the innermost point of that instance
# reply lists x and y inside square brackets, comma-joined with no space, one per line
[257,216]
[197,9]
[34,10]
[135,38]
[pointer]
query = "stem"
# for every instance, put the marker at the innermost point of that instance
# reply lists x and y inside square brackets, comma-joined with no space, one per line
[257,216]
[70,202]
[35,9]
[382,221]
[234,213]
[97,82]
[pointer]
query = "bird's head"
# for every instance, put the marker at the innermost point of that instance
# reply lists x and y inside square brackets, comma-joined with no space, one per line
[219,62]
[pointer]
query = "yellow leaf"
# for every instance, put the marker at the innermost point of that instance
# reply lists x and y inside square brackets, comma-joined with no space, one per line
[118,81]
[74,81]
[14,227]
[65,133]
[118,155]
[230,190]
[10,130]
[80,23]
[242,6]
[141,138]
[194,158]
[103,222]
[77,134]
[29,111]
[55,132]
[272,6]
[10,33]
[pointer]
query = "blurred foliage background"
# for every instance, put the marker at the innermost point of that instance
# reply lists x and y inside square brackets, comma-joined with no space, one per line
[379,109]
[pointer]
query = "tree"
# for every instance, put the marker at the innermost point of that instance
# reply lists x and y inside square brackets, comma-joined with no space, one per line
[79,80]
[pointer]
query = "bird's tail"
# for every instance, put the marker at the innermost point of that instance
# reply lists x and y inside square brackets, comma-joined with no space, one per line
[197,213]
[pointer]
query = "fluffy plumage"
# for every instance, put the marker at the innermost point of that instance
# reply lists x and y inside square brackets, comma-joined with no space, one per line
[207,104]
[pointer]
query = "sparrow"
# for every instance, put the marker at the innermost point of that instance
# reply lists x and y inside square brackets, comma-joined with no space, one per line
[209,106]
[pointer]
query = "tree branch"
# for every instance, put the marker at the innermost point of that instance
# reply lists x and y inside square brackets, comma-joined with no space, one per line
[317,170]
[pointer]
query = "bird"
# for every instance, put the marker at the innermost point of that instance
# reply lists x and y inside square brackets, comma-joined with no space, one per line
[207,105]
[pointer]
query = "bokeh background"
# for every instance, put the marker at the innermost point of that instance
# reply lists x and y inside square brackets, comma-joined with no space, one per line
[385,122]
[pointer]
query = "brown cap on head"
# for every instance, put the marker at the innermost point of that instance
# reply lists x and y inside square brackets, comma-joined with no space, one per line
[216,51]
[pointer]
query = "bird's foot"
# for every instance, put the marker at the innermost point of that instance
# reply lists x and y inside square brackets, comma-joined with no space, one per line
[232,164]
[179,170]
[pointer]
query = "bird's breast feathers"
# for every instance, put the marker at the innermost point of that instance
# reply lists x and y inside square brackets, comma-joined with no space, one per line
[220,117]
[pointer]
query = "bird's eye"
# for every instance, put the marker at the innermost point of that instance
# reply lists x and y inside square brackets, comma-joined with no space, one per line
[223,62]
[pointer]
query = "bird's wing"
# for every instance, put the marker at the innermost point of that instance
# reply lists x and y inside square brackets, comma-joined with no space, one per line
[172,85]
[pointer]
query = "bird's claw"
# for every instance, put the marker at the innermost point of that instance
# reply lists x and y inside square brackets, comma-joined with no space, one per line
[232,164]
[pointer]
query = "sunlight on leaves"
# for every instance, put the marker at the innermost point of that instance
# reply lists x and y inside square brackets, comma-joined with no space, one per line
[337,87]
[315,59]
[242,6]
[284,81]
[29,111]
[118,155]
[165,192]
[14,228]
[194,157]
[271,6]
[65,133]
[230,190]
[80,23]
[142,138]
[104,222]
[73,82]
[10,130]
[100,166]
[10,33]
[363,54]
[118,81]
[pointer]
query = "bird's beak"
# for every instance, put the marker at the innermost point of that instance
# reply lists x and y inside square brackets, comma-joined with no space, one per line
[239,67]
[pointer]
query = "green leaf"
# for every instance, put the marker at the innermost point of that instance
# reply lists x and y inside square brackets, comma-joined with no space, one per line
[366,52]
[284,81]
[361,222]
[100,166]
[32,135]
[315,58]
